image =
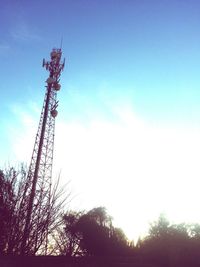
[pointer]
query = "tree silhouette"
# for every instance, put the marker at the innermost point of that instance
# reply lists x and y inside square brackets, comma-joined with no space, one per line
[92,234]
[166,244]
[12,215]
[7,200]
[66,237]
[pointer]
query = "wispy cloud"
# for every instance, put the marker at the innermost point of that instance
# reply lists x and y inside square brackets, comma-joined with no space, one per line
[4,48]
[23,32]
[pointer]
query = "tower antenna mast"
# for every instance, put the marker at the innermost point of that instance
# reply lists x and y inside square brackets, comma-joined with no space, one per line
[37,192]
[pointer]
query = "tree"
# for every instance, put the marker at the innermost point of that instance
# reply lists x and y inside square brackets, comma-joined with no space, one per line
[7,200]
[91,233]
[166,243]
[66,237]
[12,214]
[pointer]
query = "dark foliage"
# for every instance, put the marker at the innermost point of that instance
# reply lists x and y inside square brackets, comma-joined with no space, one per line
[171,245]
[91,234]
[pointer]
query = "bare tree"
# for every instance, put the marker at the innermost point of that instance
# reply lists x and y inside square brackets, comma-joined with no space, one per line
[13,206]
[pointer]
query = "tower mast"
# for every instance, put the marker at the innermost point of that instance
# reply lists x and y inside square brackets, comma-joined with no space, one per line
[38,185]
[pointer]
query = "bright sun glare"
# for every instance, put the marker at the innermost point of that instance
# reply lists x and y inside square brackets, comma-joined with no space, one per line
[137,171]
[134,169]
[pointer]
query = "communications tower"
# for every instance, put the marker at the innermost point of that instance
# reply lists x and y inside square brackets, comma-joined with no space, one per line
[37,193]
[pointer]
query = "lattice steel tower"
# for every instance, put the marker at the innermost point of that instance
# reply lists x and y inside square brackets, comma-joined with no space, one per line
[38,186]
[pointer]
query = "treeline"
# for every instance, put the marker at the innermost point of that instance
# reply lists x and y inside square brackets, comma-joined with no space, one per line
[171,244]
[88,233]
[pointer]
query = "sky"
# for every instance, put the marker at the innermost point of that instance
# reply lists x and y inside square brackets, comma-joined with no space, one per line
[128,130]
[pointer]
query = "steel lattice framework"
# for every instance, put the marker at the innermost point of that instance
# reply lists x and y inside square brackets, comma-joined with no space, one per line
[37,192]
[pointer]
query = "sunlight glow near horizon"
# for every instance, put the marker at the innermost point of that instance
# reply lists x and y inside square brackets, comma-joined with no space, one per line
[134,169]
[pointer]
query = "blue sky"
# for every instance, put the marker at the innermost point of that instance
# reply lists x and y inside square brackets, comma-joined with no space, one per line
[129,116]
